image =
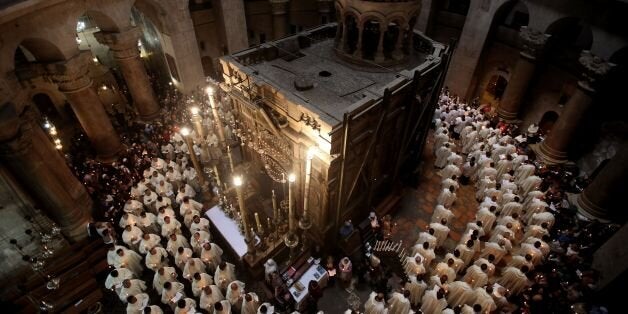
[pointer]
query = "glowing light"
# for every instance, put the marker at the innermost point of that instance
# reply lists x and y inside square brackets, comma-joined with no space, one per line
[46,125]
[184,131]
[237,181]
[59,146]
[170,83]
[57,141]
[80,26]
[104,87]
[53,131]
[78,40]
[311,152]
[194,110]
[139,43]
[292,177]
[209,90]
[95,59]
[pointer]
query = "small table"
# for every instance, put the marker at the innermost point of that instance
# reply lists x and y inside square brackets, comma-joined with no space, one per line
[310,274]
[229,230]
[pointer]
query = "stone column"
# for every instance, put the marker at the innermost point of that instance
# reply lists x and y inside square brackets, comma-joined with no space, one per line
[379,54]
[72,77]
[127,56]
[342,46]
[601,199]
[397,52]
[358,50]
[532,44]
[553,150]
[280,18]
[31,157]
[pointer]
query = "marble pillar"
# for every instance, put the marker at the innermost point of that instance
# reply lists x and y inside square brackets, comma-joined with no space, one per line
[127,56]
[554,148]
[532,44]
[280,18]
[72,78]
[601,199]
[30,155]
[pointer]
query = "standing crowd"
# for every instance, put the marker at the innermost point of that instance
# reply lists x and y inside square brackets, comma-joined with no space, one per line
[525,252]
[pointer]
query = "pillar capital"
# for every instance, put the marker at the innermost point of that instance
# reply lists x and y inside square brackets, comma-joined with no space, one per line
[279,7]
[123,44]
[595,69]
[71,75]
[532,42]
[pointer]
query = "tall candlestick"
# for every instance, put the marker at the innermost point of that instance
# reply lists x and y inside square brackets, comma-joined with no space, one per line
[248,236]
[230,159]
[308,175]
[258,222]
[291,227]
[275,209]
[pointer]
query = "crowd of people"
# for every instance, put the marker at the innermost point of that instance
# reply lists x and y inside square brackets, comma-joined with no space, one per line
[525,252]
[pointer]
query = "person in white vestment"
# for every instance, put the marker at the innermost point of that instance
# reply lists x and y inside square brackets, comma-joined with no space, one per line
[476,276]
[199,282]
[162,213]
[447,197]
[209,296]
[185,306]
[148,222]
[170,226]
[528,184]
[414,265]
[116,277]
[518,261]
[441,231]
[417,287]
[175,242]
[163,202]
[427,237]
[458,293]
[225,274]
[375,304]
[128,219]
[131,260]
[148,242]
[495,249]
[250,303]
[440,213]
[451,180]
[442,154]
[484,299]
[541,218]
[512,207]
[133,207]
[487,216]
[182,256]
[162,276]
[131,287]
[446,268]
[211,254]
[198,239]
[433,301]
[427,253]
[199,224]
[514,279]
[467,250]
[235,294]
[458,263]
[156,258]
[192,266]
[172,292]
[222,307]
[399,303]
[137,303]
[153,309]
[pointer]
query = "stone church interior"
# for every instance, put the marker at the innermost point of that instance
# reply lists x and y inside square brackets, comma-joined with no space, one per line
[313,156]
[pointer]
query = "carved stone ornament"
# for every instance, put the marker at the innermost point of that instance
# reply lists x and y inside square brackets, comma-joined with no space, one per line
[532,41]
[71,75]
[123,44]
[310,121]
[595,69]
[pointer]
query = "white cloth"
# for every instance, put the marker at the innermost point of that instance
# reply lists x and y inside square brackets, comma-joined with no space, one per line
[373,306]
[398,304]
